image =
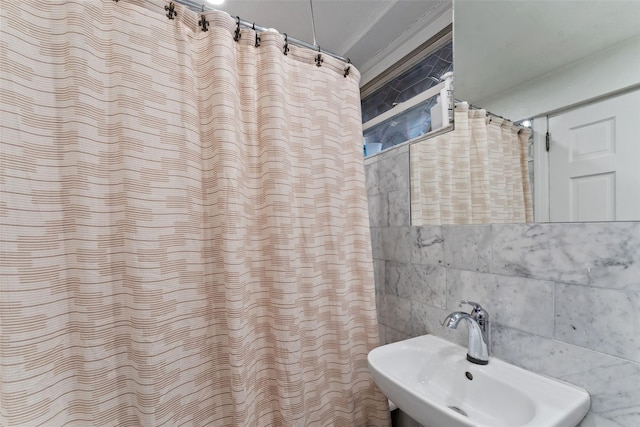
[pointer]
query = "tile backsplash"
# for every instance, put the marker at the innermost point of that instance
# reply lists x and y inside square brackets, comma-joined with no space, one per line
[564,299]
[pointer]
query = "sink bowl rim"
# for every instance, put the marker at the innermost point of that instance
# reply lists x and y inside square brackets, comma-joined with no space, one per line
[544,406]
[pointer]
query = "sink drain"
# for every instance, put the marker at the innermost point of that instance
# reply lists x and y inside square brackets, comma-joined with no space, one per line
[458,410]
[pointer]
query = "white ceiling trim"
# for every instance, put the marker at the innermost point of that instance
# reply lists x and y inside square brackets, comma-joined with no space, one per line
[370,22]
[428,25]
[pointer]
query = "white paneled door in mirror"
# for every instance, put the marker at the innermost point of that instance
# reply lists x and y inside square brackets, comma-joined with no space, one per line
[594,161]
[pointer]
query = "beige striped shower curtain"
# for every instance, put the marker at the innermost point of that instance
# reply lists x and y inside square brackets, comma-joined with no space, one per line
[185,239]
[476,174]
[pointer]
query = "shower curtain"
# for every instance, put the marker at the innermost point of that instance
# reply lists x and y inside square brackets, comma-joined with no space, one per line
[184,224]
[476,174]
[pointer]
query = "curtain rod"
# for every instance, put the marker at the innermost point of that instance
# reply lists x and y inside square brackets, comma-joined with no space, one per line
[489,113]
[200,7]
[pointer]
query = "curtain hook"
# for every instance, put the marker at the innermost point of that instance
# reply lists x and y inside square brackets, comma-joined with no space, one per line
[286,44]
[171,10]
[257,43]
[204,24]
[346,70]
[237,34]
[319,59]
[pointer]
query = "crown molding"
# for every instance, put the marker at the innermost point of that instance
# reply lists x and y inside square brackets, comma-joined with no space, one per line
[428,25]
[369,23]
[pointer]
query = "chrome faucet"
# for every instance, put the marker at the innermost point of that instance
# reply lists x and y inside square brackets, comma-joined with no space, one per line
[479,331]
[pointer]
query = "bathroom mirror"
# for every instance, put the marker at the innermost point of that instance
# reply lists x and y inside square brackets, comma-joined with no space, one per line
[537,59]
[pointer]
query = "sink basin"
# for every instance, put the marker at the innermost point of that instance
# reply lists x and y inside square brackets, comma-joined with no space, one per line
[430,379]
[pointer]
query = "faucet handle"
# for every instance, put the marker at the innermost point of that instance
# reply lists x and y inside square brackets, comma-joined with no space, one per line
[475,305]
[477,312]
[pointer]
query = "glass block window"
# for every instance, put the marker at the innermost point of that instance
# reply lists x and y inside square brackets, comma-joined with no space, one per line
[403,127]
[427,66]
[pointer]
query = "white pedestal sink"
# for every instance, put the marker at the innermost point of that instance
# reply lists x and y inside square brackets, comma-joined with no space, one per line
[430,379]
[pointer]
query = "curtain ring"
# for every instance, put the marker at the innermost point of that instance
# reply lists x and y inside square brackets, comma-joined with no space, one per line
[237,34]
[285,49]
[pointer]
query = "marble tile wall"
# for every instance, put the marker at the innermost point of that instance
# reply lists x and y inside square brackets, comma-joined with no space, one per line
[564,299]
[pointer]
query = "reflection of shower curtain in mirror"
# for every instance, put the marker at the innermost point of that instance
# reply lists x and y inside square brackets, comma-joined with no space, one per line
[185,236]
[476,174]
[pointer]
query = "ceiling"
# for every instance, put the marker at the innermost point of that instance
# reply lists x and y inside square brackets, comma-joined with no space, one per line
[499,44]
[502,44]
[356,29]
